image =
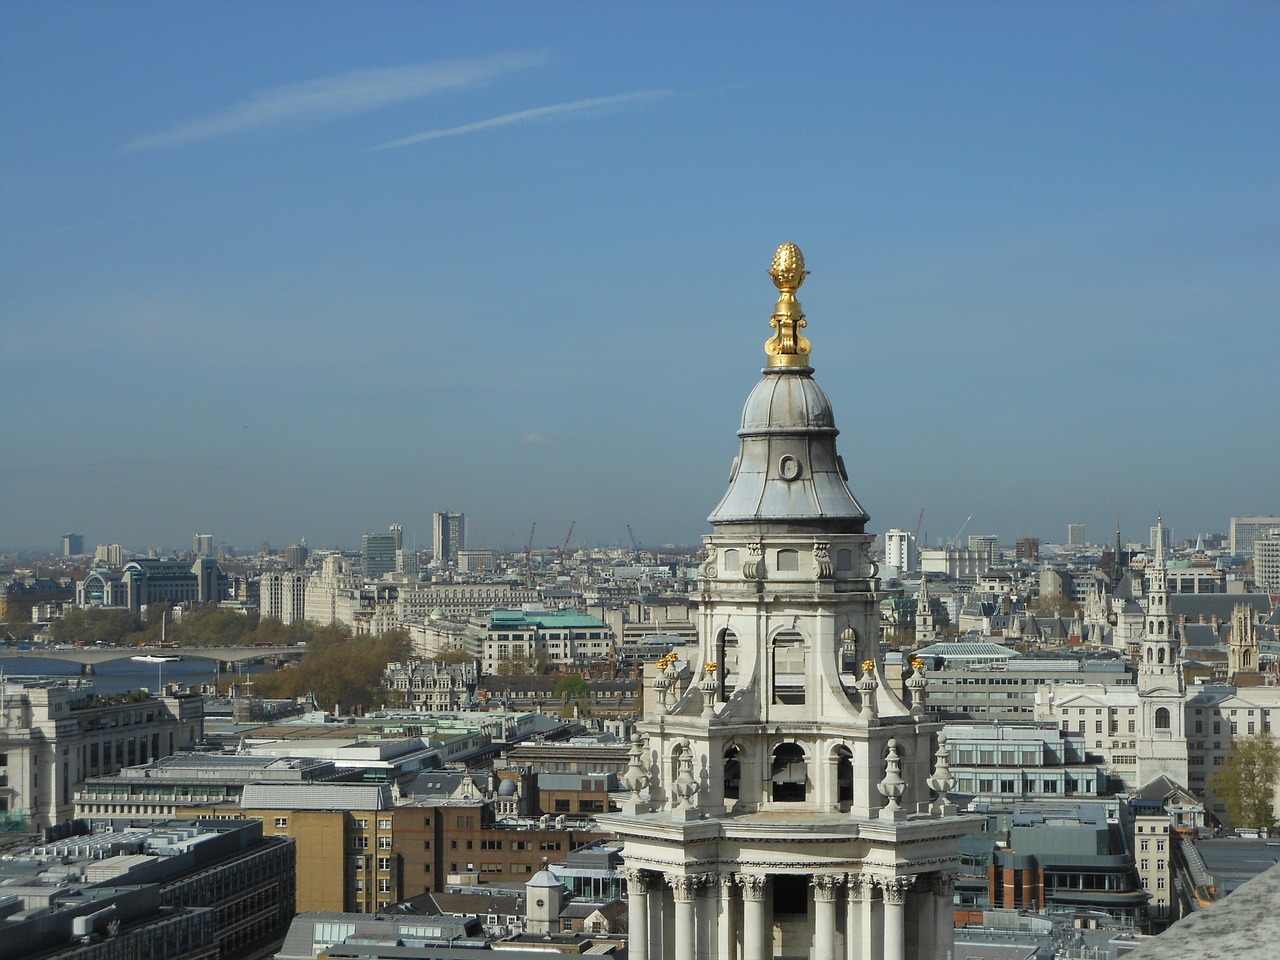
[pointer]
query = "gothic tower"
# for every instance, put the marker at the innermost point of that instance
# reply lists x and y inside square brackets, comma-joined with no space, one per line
[1244,647]
[1162,694]
[784,801]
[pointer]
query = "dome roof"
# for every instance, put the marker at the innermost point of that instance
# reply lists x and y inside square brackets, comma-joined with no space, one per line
[507,788]
[543,878]
[787,470]
[787,402]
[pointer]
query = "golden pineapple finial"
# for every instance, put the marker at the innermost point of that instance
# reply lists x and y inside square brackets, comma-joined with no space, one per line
[788,347]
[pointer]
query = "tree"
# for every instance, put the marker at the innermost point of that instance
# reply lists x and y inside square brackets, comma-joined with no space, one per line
[1246,781]
[571,687]
[338,669]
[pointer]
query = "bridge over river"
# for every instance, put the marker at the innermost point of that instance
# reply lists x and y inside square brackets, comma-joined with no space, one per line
[87,657]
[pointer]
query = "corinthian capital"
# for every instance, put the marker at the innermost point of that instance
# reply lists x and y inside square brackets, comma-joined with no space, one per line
[753,885]
[825,886]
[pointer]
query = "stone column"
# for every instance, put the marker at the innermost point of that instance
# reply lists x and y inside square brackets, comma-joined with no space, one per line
[894,890]
[659,923]
[826,889]
[855,922]
[684,889]
[944,928]
[726,932]
[637,914]
[757,932]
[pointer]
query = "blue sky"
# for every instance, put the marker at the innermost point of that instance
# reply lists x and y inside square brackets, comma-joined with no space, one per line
[284,270]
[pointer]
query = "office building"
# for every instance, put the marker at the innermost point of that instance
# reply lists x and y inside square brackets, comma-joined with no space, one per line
[1266,563]
[1075,535]
[283,595]
[143,582]
[202,545]
[172,891]
[780,799]
[1245,530]
[72,544]
[380,553]
[899,551]
[110,555]
[295,555]
[449,535]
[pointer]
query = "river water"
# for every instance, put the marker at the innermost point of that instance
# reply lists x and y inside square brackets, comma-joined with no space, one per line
[121,676]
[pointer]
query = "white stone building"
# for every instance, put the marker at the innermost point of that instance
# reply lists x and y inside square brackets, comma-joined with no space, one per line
[782,795]
[283,595]
[54,735]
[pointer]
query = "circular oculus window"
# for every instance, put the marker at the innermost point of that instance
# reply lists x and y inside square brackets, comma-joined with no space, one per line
[789,468]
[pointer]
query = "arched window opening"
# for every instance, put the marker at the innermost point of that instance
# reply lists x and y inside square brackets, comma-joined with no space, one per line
[788,667]
[1160,628]
[732,561]
[1162,718]
[1160,656]
[726,662]
[1151,655]
[789,774]
[844,775]
[1246,659]
[849,650]
[788,561]
[732,773]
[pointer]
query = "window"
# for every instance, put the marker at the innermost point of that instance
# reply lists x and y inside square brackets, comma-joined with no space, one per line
[384,824]
[362,824]
[789,773]
[788,668]
[562,805]
[384,864]
[384,843]
[732,774]
[384,885]
[1162,718]
[360,843]
[282,822]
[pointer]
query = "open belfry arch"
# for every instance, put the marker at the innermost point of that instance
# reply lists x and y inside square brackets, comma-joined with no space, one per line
[784,801]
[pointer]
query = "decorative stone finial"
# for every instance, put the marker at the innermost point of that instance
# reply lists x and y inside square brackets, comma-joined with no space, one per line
[892,786]
[788,347]
[942,781]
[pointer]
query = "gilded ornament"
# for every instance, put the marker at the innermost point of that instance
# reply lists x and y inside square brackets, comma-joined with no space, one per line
[788,347]
[917,663]
[710,666]
[788,270]
[868,666]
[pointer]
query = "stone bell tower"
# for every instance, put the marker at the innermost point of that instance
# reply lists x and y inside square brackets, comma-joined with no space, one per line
[784,801]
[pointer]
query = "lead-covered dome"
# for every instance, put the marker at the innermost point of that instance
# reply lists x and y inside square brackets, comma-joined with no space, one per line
[787,472]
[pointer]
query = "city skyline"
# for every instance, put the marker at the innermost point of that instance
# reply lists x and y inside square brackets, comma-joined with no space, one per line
[290,271]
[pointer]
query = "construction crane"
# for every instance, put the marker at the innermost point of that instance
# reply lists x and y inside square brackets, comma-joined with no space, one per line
[956,541]
[919,523]
[528,555]
[565,546]
[635,546]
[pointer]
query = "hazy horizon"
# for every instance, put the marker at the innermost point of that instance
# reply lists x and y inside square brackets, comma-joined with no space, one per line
[303,270]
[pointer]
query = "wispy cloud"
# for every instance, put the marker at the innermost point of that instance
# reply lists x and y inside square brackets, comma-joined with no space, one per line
[524,116]
[328,98]
[536,439]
